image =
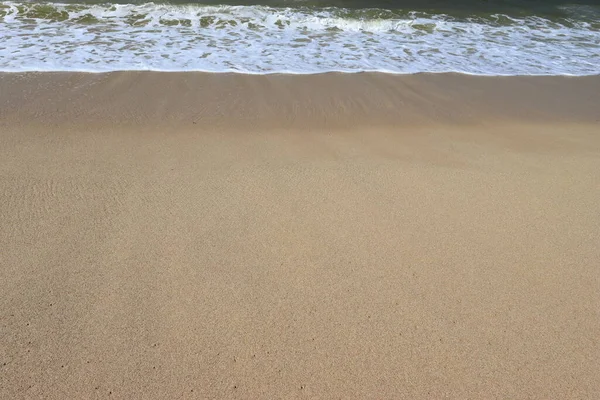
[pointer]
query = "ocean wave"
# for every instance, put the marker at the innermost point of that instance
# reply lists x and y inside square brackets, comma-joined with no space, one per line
[261,39]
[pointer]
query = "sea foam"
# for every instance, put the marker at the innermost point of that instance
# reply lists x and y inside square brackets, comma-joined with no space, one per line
[260,39]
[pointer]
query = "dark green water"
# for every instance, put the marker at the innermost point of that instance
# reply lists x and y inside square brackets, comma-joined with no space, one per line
[462,8]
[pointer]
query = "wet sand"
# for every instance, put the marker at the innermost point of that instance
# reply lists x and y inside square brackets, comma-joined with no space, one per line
[192,235]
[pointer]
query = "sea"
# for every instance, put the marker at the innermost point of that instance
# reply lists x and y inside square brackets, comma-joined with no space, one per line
[484,37]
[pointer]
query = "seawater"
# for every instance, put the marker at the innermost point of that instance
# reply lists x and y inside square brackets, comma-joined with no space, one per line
[284,36]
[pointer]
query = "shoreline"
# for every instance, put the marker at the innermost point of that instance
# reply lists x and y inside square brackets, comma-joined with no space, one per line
[331,100]
[292,73]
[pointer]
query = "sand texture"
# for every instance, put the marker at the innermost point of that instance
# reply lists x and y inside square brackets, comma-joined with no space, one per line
[329,236]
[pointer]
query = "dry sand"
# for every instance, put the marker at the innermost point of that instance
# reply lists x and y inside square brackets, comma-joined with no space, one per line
[327,236]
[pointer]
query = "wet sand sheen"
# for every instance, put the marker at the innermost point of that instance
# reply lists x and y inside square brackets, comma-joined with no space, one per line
[351,236]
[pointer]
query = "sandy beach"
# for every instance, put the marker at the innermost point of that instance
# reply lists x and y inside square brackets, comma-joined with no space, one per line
[192,235]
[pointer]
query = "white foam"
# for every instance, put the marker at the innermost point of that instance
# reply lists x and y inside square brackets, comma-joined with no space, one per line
[260,39]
